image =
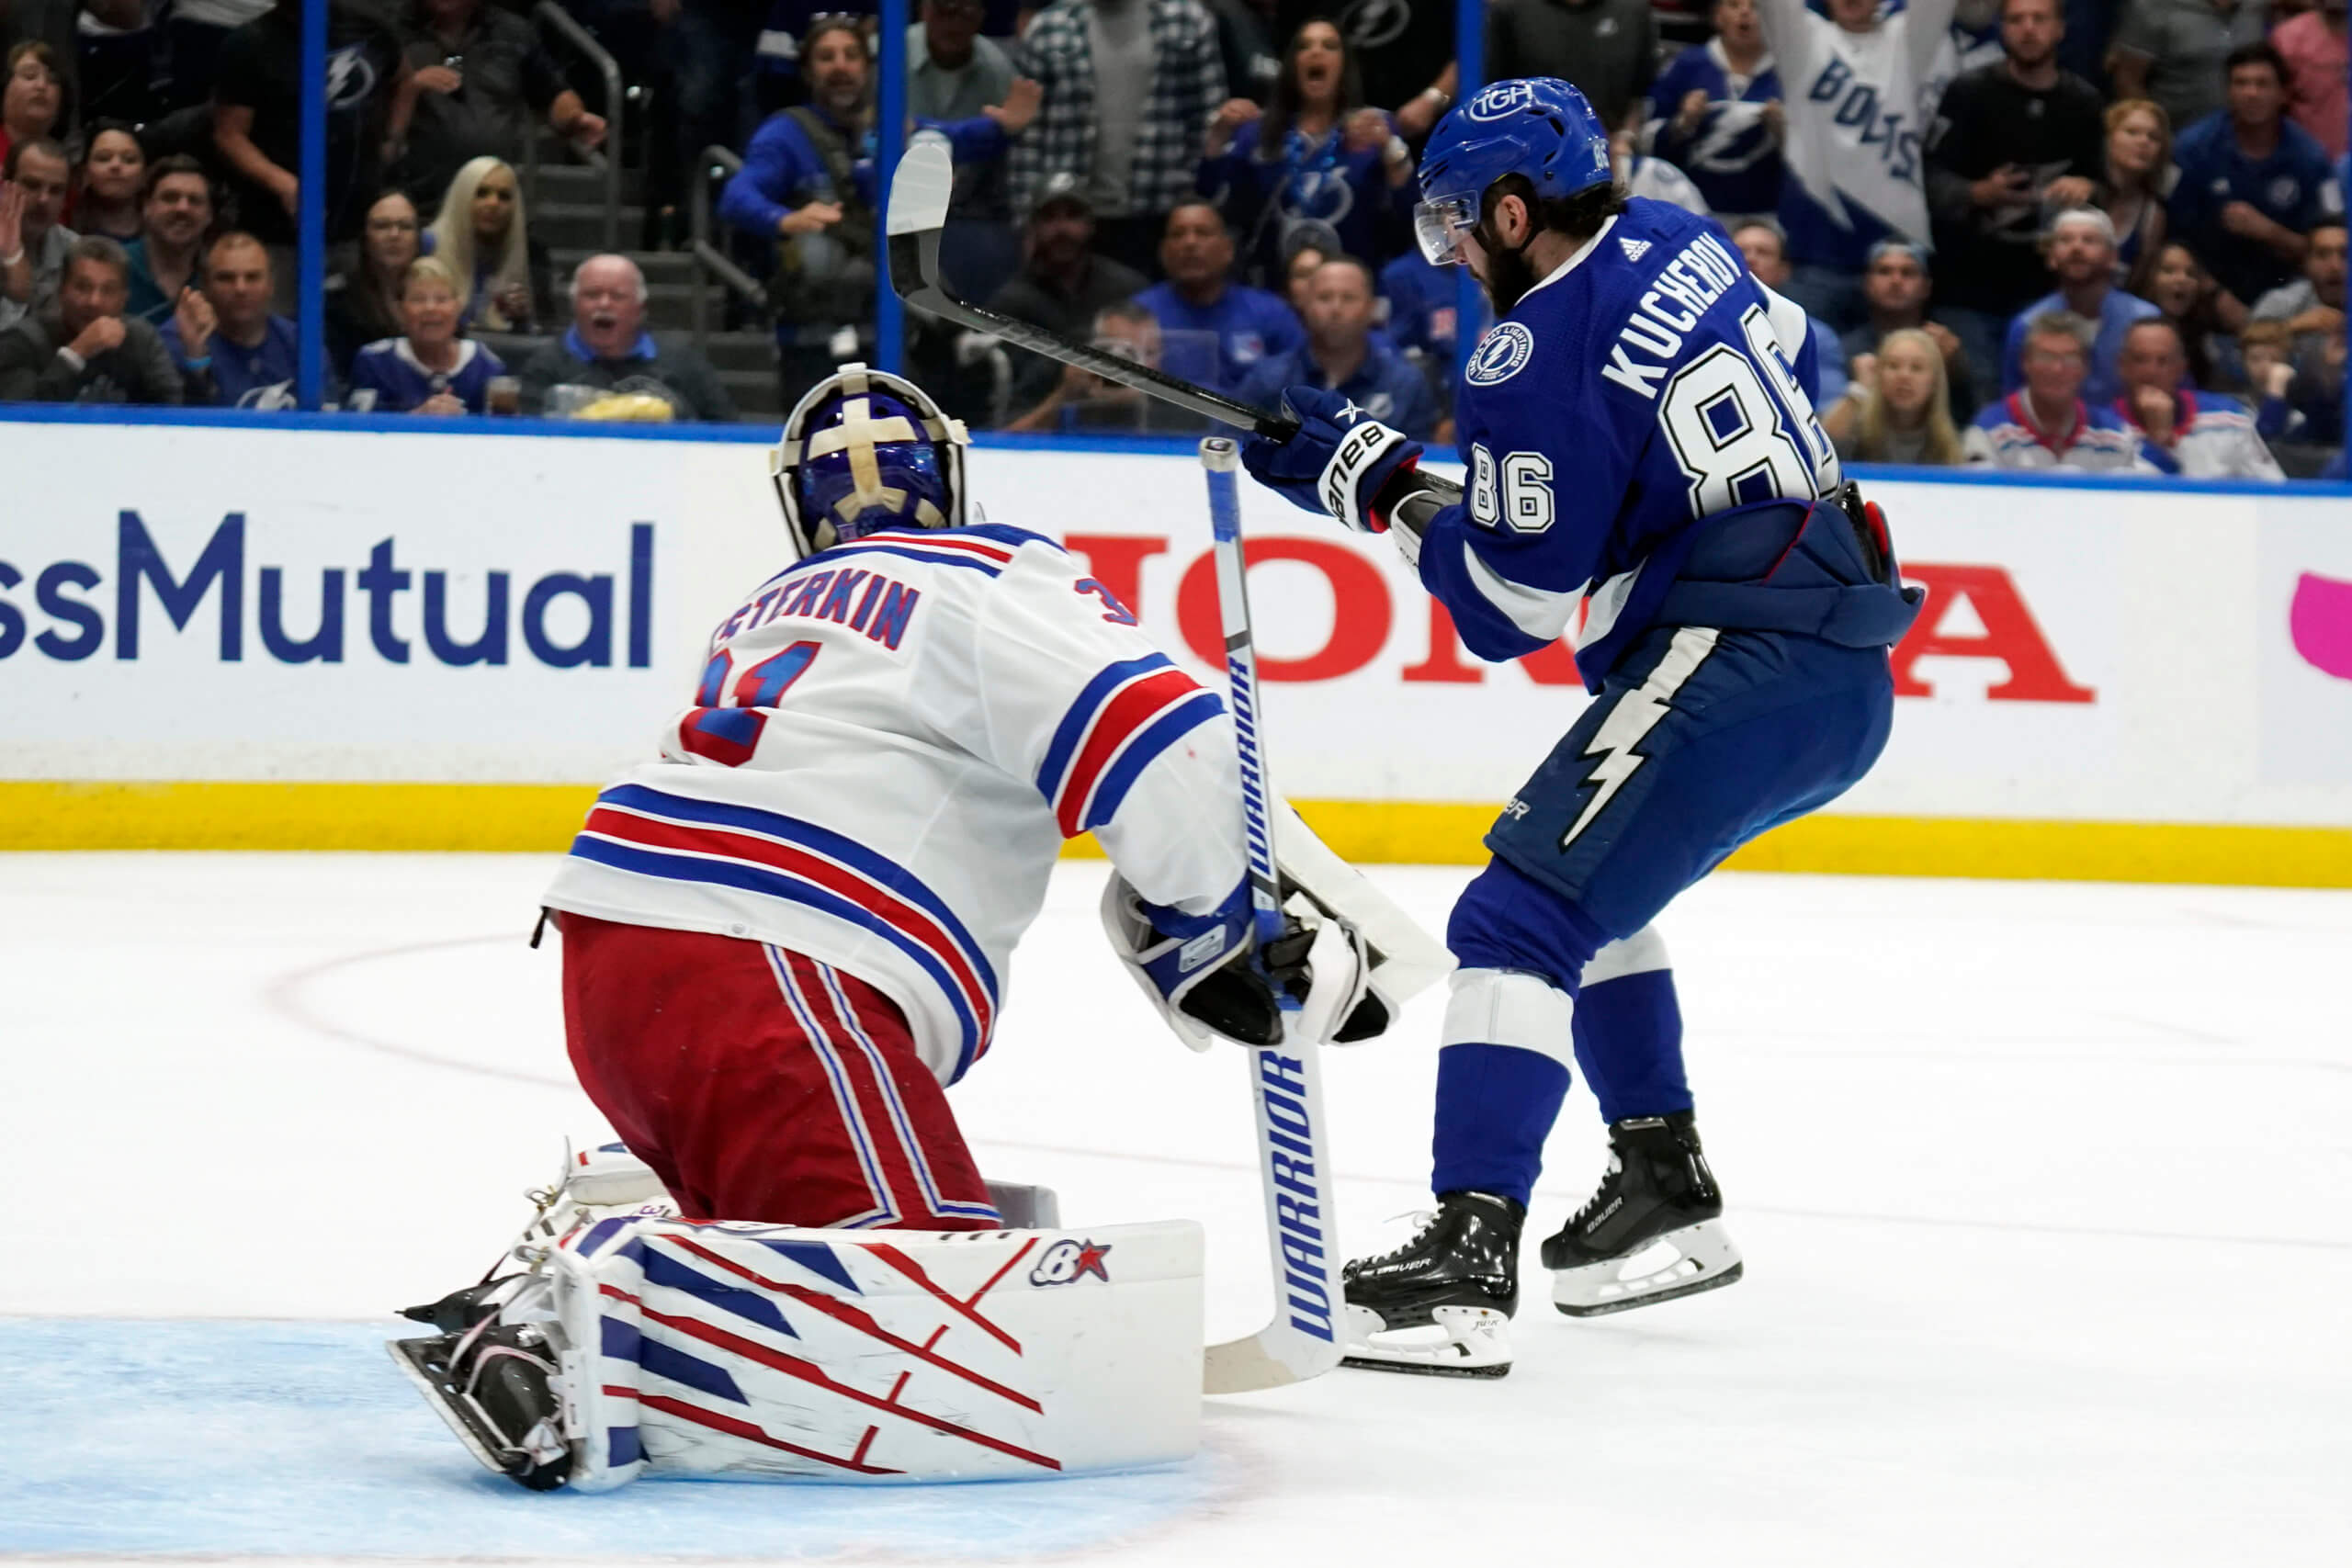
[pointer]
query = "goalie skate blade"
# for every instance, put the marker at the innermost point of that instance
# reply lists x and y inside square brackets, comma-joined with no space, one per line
[1461,1342]
[1679,1263]
[409,1356]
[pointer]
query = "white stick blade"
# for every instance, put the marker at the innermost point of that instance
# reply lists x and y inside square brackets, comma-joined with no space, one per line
[918,191]
[1242,1366]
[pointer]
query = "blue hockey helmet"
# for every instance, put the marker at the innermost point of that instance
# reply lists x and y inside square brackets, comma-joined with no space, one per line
[865,450]
[1537,126]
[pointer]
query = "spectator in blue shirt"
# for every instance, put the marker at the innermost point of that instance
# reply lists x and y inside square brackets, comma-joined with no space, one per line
[807,184]
[1214,331]
[776,62]
[1715,114]
[1316,155]
[2252,181]
[1424,319]
[429,369]
[795,169]
[2080,246]
[1424,305]
[230,351]
[1342,354]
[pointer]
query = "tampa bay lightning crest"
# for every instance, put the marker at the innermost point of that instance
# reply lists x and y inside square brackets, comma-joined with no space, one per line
[1502,354]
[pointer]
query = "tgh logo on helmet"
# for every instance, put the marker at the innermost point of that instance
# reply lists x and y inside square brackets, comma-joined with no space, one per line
[1502,98]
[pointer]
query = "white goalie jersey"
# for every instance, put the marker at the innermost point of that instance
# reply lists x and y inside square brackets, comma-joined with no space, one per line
[888,744]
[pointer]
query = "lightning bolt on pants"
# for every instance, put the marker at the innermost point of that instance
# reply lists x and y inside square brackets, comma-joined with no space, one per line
[1699,741]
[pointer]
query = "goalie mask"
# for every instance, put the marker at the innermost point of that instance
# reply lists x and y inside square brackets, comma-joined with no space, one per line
[867,450]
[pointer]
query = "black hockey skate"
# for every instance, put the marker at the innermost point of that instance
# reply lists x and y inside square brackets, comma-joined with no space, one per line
[1439,1303]
[492,1385]
[1652,1232]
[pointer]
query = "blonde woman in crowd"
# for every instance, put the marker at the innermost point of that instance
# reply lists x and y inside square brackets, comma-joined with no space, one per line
[482,235]
[429,369]
[364,298]
[1898,406]
[2140,175]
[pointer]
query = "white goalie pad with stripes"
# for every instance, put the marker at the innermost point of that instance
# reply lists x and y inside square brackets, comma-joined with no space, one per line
[752,1351]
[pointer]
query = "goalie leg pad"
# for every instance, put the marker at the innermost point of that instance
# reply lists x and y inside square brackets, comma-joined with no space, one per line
[766,1352]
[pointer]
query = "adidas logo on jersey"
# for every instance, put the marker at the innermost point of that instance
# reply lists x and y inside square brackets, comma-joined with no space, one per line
[1635,249]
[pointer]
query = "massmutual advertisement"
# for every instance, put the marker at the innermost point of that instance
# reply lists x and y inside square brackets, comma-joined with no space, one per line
[336,607]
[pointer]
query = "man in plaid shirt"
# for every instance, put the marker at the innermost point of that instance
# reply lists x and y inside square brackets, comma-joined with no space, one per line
[1130,85]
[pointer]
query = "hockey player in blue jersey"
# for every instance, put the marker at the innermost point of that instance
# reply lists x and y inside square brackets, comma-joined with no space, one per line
[1641,448]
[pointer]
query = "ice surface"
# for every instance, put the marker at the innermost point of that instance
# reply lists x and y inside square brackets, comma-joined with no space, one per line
[2042,1189]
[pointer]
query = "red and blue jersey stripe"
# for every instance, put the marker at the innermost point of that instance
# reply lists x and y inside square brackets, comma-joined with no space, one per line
[651,832]
[1128,715]
[930,545]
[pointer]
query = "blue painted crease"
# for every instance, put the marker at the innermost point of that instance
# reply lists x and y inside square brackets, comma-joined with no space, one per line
[274,1440]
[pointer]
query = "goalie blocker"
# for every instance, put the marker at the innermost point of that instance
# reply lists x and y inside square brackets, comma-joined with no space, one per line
[635,1343]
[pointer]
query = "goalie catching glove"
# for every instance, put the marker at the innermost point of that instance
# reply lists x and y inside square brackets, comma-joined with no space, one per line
[1357,955]
[1207,975]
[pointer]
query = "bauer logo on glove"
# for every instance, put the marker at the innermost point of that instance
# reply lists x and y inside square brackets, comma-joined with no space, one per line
[1337,462]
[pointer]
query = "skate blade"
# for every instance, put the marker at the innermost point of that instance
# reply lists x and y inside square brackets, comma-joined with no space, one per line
[1679,1263]
[408,1355]
[1461,1342]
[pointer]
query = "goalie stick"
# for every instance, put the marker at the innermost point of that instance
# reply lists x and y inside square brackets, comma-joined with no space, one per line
[919,192]
[1303,1339]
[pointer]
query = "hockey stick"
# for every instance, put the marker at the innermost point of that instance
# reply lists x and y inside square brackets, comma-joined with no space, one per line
[919,193]
[1303,1339]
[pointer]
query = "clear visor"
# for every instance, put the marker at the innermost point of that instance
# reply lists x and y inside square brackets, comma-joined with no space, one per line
[1439,224]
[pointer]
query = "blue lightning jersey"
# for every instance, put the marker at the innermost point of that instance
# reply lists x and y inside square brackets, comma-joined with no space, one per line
[1637,429]
[1732,156]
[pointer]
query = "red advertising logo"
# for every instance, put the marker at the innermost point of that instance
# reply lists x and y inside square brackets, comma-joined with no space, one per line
[2011,634]
[1365,615]
[2320,621]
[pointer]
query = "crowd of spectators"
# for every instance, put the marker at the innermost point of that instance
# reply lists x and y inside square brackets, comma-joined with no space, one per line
[2033,233]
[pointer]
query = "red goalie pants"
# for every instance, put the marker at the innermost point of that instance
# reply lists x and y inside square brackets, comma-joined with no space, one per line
[762,1085]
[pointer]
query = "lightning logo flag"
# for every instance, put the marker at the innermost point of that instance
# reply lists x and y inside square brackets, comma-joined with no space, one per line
[1635,715]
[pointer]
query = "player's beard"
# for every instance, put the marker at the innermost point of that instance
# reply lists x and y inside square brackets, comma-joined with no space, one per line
[1509,275]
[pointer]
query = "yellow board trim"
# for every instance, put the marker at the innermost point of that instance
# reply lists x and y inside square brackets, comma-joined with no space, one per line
[40,815]
[44,815]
